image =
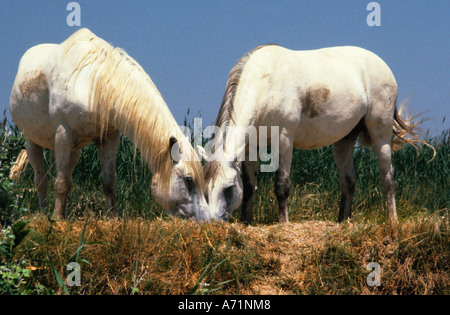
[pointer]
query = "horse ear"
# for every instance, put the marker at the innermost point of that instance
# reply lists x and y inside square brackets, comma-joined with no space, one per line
[172,141]
[175,150]
[201,150]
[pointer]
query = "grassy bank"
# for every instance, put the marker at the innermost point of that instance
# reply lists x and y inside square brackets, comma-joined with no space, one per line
[173,256]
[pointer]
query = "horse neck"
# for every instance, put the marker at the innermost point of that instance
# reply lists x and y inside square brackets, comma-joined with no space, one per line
[237,132]
[149,127]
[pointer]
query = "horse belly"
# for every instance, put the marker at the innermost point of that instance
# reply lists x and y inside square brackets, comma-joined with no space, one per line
[38,117]
[41,131]
[317,134]
[328,117]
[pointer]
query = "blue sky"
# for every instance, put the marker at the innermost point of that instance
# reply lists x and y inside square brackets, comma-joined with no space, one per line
[188,47]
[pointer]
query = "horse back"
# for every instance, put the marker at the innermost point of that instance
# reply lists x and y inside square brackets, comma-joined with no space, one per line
[318,96]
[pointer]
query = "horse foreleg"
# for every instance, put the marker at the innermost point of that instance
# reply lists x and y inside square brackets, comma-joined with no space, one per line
[66,160]
[36,157]
[282,177]
[107,151]
[249,175]
[343,157]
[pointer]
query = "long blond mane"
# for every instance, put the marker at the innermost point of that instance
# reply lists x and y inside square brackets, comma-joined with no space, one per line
[122,95]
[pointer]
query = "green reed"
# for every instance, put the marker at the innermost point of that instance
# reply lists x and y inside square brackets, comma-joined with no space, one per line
[422,184]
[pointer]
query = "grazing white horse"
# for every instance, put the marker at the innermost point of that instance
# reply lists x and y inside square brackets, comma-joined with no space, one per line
[67,96]
[317,98]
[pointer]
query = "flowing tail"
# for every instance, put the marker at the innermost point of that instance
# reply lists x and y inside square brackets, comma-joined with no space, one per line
[406,131]
[20,166]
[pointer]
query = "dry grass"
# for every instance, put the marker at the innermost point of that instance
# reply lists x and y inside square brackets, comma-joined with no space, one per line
[313,257]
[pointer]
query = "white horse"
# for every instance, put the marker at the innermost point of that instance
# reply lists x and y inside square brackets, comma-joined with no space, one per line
[317,98]
[82,91]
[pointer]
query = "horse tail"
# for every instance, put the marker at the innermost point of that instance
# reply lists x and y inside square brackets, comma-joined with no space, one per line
[407,131]
[19,166]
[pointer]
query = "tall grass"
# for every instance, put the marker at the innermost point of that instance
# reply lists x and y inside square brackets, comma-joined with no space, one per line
[86,195]
[146,252]
[422,185]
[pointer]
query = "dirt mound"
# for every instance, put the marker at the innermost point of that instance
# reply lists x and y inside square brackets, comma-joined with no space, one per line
[286,245]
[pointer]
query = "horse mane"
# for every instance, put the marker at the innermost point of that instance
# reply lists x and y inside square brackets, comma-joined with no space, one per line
[123,95]
[226,112]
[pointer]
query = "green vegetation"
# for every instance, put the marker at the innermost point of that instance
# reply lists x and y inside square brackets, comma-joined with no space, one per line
[422,184]
[147,252]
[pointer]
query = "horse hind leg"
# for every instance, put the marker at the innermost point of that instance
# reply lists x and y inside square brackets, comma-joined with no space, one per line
[383,151]
[66,160]
[381,138]
[35,155]
[107,152]
[343,157]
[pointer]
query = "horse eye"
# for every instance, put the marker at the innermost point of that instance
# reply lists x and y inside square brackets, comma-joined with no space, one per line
[189,182]
[228,193]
